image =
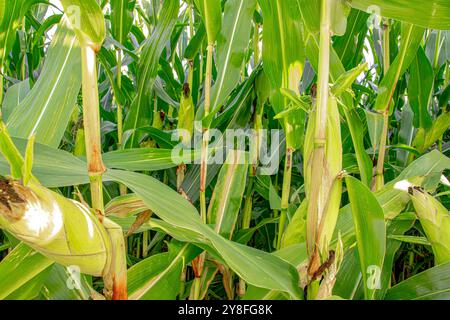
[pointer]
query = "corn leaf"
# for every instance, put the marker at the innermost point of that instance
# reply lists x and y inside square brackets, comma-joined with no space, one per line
[432,284]
[47,108]
[369,223]
[121,19]
[270,272]
[232,44]
[158,277]
[27,265]
[86,19]
[428,14]
[11,15]
[14,96]
[212,16]
[140,111]
[284,59]
[420,88]
[410,41]
[226,200]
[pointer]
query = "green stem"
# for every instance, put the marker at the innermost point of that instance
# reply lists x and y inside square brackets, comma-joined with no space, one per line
[318,155]
[248,206]
[91,117]
[256,51]
[119,106]
[122,188]
[204,156]
[285,193]
[437,50]
[379,178]
[204,166]
[145,238]
[195,292]
[24,53]
[1,90]
[386,51]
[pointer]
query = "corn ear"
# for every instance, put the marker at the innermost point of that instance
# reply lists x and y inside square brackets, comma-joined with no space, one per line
[326,194]
[186,115]
[435,220]
[63,230]
[80,144]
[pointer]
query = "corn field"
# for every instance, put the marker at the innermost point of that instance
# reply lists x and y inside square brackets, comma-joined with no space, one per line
[224,149]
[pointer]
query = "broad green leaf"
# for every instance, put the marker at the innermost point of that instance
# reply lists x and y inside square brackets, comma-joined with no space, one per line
[52,167]
[375,127]
[141,108]
[296,230]
[158,277]
[411,37]
[425,138]
[195,44]
[65,283]
[236,110]
[147,159]
[232,44]
[212,15]
[345,80]
[108,68]
[349,46]
[349,283]
[11,154]
[420,88]
[428,14]
[339,13]
[21,267]
[14,97]
[226,200]
[11,15]
[412,239]
[294,254]
[431,284]
[284,59]
[369,223]
[405,134]
[87,20]
[121,19]
[269,272]
[47,108]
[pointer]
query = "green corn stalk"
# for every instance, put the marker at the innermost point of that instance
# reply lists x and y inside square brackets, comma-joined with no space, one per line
[212,13]
[435,220]
[323,156]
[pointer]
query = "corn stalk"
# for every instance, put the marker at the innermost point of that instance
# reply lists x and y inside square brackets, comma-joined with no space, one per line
[323,160]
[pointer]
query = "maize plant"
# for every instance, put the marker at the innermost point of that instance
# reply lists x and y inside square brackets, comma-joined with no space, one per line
[224,149]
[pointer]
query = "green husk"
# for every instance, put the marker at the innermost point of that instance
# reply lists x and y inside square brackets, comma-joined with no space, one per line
[186,115]
[329,192]
[435,220]
[63,230]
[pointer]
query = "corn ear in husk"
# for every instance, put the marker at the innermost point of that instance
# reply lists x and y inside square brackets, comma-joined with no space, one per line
[435,220]
[186,115]
[64,230]
[324,194]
